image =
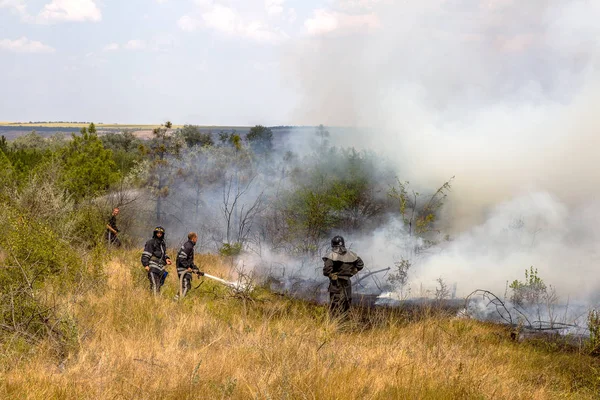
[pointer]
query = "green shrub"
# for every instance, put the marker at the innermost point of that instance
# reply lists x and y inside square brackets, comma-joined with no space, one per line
[230,249]
[39,271]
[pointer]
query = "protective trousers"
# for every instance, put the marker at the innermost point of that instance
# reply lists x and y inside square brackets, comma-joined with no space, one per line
[340,298]
[185,282]
[157,279]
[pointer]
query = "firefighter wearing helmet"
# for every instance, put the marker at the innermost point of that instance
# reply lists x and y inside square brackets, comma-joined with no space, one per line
[155,259]
[339,266]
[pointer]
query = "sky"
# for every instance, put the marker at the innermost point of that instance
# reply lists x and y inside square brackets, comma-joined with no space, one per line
[145,61]
[244,62]
[501,94]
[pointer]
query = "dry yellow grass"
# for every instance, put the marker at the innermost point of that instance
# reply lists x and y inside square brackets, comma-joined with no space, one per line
[212,345]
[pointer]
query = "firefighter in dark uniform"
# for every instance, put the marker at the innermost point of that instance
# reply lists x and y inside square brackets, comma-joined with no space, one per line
[155,259]
[111,229]
[185,265]
[339,266]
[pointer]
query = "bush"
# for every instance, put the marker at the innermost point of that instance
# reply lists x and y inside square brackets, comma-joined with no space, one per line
[230,249]
[38,271]
[530,292]
[594,327]
[89,168]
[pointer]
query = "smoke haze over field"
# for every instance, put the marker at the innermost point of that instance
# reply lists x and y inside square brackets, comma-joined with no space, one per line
[501,94]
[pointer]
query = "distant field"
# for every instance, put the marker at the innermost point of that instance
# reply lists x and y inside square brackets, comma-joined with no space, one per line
[12,130]
[80,125]
[105,126]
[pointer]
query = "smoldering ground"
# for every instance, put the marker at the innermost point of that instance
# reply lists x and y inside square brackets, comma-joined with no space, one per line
[500,94]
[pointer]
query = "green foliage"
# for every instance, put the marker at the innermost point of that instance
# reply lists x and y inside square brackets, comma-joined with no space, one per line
[89,168]
[399,276]
[25,153]
[230,249]
[87,226]
[340,190]
[125,141]
[163,148]
[33,256]
[594,328]
[25,160]
[32,140]
[419,211]
[125,149]
[194,137]
[531,291]
[7,178]
[260,139]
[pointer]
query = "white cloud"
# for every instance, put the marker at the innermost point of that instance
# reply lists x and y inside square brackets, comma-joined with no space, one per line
[111,47]
[357,5]
[24,45]
[291,15]
[187,23]
[327,21]
[135,44]
[69,10]
[231,22]
[259,32]
[15,5]
[274,7]
[160,43]
[323,21]
[221,18]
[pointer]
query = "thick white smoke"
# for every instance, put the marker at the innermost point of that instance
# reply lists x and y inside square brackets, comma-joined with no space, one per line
[500,93]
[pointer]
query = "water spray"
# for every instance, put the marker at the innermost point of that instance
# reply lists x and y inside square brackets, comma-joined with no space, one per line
[238,286]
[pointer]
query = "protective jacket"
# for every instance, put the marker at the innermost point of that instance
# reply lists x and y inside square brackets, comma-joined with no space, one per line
[185,257]
[155,254]
[341,264]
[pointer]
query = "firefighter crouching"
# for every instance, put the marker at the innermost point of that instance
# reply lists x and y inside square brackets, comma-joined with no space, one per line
[340,265]
[155,259]
[185,265]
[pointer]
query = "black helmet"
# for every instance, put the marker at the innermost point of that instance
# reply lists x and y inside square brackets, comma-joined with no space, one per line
[158,229]
[337,241]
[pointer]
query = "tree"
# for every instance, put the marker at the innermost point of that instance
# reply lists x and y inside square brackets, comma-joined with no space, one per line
[194,137]
[162,148]
[340,189]
[32,140]
[419,211]
[125,141]
[323,134]
[125,149]
[231,139]
[88,166]
[6,175]
[202,167]
[3,144]
[260,139]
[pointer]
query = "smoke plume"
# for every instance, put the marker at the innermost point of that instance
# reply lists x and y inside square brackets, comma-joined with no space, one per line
[501,94]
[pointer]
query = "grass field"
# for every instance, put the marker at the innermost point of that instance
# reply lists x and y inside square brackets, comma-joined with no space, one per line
[213,345]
